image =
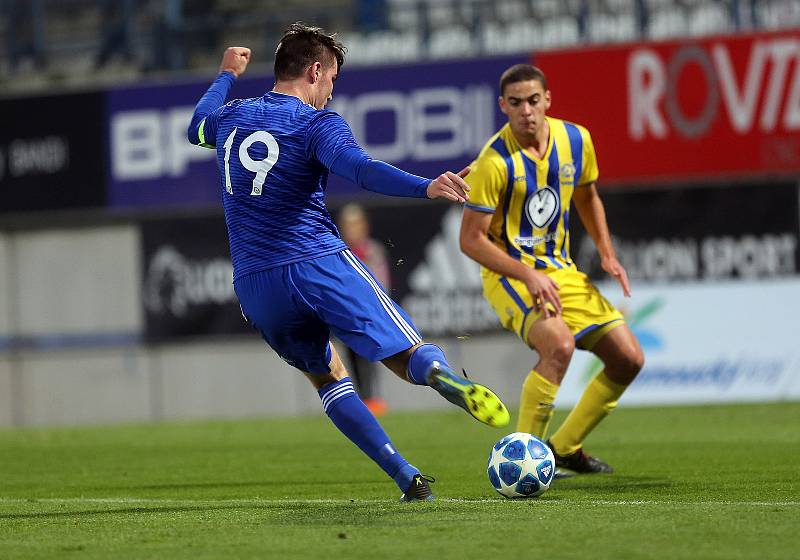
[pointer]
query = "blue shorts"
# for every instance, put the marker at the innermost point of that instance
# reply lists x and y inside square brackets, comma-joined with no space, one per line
[296,307]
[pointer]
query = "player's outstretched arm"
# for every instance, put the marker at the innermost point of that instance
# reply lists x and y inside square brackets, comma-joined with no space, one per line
[330,140]
[234,62]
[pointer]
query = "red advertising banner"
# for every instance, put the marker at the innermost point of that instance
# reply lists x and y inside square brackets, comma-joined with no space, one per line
[711,108]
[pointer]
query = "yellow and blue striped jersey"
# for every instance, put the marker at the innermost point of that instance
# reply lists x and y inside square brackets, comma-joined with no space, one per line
[529,197]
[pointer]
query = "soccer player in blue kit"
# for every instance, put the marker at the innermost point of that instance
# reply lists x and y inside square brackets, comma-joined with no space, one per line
[296,280]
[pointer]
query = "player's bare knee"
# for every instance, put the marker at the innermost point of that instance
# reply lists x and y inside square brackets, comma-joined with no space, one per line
[636,362]
[562,351]
[320,380]
[398,363]
[633,361]
[401,358]
[556,356]
[626,366]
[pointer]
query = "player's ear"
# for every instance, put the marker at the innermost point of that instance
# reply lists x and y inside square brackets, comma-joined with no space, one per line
[314,71]
[547,100]
[501,102]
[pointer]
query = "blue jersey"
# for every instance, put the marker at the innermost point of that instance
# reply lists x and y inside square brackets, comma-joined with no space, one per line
[273,154]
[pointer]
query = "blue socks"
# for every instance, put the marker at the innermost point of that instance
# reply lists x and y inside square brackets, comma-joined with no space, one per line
[422,360]
[348,413]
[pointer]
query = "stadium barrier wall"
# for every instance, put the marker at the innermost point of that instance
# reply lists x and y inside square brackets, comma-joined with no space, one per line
[77,343]
[714,306]
[200,380]
[71,303]
[6,394]
[6,297]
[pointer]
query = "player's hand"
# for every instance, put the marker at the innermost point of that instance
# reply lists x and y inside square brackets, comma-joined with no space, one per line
[451,186]
[235,60]
[617,271]
[543,290]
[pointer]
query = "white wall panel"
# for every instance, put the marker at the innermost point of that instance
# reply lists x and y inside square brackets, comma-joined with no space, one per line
[74,281]
[6,396]
[229,380]
[85,387]
[6,272]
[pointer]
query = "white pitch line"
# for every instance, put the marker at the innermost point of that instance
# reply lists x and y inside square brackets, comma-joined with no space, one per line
[322,501]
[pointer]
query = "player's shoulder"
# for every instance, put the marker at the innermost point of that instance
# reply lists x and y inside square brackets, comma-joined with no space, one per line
[566,125]
[234,104]
[495,150]
[323,115]
[323,123]
[237,106]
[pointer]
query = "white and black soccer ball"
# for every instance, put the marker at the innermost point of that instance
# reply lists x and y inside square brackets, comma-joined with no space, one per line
[521,466]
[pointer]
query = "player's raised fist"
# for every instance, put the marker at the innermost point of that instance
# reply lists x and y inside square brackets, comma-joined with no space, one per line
[235,60]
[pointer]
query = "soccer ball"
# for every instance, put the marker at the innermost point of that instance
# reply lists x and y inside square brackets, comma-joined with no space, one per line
[521,466]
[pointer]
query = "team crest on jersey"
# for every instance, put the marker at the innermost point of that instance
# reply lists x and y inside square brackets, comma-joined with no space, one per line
[566,173]
[541,208]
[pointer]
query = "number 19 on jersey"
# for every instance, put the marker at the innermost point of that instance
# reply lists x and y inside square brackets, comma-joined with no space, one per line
[259,167]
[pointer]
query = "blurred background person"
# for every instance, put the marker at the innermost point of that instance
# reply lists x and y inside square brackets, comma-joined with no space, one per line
[24,33]
[116,35]
[354,226]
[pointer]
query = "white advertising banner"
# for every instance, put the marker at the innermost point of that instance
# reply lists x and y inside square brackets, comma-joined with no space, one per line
[706,342]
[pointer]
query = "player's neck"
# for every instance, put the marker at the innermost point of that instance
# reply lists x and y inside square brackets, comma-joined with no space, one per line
[294,88]
[537,142]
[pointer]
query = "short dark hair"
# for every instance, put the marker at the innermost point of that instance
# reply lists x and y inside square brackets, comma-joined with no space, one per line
[301,46]
[521,73]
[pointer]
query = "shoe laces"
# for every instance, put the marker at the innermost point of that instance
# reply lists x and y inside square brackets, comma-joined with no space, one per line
[419,490]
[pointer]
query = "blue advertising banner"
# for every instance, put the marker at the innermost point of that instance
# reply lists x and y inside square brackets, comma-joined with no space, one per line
[424,118]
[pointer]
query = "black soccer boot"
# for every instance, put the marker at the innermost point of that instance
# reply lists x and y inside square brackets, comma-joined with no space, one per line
[418,490]
[580,462]
[562,473]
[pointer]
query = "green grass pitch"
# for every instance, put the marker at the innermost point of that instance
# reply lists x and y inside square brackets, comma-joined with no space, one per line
[691,482]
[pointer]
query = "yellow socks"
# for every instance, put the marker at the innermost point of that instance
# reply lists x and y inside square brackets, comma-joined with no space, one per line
[598,400]
[536,405]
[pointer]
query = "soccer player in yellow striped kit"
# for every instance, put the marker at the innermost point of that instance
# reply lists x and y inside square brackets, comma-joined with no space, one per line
[516,225]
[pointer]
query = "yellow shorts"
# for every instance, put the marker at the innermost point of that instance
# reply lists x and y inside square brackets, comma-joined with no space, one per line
[586,312]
